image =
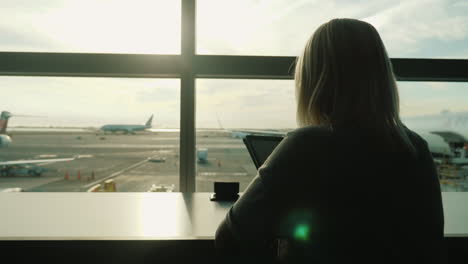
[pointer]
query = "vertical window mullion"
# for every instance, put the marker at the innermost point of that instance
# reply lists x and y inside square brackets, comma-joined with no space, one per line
[187,104]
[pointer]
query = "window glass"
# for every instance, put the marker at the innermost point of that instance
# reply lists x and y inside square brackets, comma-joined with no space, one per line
[70,134]
[227,110]
[108,26]
[415,29]
[439,113]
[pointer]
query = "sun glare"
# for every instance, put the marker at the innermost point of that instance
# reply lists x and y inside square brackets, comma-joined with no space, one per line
[117,26]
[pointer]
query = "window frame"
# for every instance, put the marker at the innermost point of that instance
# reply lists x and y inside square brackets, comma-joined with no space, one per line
[188,66]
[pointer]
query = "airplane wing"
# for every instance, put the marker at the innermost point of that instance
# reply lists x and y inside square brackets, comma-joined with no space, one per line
[436,143]
[243,133]
[36,161]
[262,132]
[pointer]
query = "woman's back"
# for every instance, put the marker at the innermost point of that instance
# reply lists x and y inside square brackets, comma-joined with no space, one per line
[358,199]
[365,191]
[337,196]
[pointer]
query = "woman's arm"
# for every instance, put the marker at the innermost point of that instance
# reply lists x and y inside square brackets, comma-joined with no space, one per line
[252,223]
[434,235]
[247,228]
[226,243]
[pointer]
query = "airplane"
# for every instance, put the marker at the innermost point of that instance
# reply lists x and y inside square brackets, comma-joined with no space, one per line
[446,134]
[128,128]
[238,133]
[241,133]
[8,168]
[5,140]
[27,166]
[451,127]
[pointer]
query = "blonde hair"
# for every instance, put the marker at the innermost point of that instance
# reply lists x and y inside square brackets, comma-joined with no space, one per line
[345,78]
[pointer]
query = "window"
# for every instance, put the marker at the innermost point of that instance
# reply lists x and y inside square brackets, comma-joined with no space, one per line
[228,109]
[281,28]
[438,112]
[118,26]
[426,99]
[119,129]
[80,66]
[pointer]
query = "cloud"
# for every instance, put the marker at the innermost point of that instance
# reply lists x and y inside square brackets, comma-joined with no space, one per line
[411,25]
[416,28]
[246,103]
[422,98]
[23,38]
[282,27]
[90,100]
[116,26]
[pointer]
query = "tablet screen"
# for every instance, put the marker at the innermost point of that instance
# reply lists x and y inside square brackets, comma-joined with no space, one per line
[260,147]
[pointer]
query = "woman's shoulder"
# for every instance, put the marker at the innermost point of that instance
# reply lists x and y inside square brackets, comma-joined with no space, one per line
[300,144]
[310,131]
[415,138]
[327,134]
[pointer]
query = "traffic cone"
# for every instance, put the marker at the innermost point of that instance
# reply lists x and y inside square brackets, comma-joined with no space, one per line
[92,175]
[66,175]
[79,176]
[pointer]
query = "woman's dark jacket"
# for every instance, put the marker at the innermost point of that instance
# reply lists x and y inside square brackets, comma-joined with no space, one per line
[339,196]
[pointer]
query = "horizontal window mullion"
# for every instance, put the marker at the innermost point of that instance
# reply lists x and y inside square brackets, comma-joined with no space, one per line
[260,67]
[249,67]
[204,66]
[81,64]
[443,70]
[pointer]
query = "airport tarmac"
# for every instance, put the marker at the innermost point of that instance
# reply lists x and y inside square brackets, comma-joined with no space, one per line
[134,162]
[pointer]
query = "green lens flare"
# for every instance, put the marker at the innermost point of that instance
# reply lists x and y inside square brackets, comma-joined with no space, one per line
[301,232]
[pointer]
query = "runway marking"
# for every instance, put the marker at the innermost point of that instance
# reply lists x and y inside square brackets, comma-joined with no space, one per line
[164,151]
[140,146]
[117,173]
[47,156]
[222,174]
[84,156]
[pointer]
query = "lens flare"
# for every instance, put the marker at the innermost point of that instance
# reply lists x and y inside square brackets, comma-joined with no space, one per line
[301,232]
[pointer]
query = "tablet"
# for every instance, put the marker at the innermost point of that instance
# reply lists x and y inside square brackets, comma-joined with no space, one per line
[260,147]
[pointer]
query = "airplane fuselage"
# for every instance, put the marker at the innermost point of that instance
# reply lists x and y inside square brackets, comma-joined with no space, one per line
[5,140]
[127,128]
[123,128]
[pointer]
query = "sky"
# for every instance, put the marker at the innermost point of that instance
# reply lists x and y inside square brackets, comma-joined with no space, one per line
[409,29]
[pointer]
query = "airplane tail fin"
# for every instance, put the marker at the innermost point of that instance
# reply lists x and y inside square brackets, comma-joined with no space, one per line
[219,123]
[149,122]
[4,116]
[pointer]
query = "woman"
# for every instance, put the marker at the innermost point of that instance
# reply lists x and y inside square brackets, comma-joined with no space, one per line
[352,184]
